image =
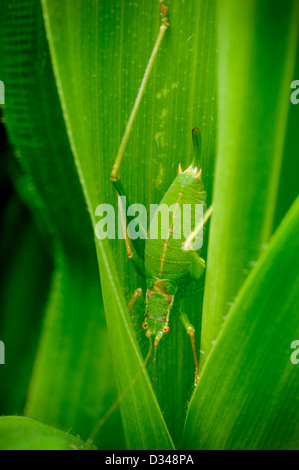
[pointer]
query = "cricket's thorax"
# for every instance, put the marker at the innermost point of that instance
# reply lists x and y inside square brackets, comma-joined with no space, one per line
[160,298]
[163,255]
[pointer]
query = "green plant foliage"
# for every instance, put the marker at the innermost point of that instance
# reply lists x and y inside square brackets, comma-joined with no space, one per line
[74,342]
[72,71]
[250,145]
[178,100]
[250,401]
[18,433]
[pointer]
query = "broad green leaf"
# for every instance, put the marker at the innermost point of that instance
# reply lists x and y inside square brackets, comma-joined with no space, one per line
[21,250]
[255,71]
[71,383]
[247,397]
[142,418]
[21,301]
[67,389]
[66,129]
[288,184]
[18,433]
[99,52]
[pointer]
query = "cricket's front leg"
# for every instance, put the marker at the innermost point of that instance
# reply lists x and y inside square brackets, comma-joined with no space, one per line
[191,332]
[138,243]
[137,293]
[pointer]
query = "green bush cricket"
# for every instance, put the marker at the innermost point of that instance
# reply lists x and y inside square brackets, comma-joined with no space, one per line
[170,266]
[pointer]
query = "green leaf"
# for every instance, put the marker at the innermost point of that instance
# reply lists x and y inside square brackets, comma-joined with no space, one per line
[247,397]
[99,55]
[288,184]
[254,75]
[66,128]
[72,384]
[143,422]
[20,300]
[18,433]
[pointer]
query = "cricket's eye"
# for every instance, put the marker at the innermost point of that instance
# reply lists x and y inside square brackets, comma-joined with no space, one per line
[166,329]
[144,325]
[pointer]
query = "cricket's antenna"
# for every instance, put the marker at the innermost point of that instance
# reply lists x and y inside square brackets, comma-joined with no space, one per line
[154,366]
[118,401]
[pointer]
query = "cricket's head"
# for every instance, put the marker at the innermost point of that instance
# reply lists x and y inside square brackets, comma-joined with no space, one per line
[159,302]
[191,179]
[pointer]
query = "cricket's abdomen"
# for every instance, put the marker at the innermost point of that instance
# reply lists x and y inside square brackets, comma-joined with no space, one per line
[164,257]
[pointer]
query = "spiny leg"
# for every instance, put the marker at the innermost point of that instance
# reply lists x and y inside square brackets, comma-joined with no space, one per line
[191,332]
[164,25]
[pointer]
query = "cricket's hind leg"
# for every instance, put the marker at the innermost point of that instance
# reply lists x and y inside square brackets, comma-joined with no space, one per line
[191,332]
[114,176]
